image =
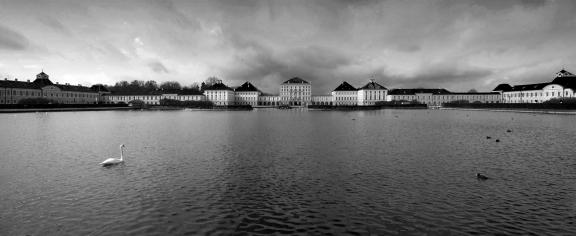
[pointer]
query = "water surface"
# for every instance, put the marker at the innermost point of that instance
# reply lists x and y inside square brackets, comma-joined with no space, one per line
[409,172]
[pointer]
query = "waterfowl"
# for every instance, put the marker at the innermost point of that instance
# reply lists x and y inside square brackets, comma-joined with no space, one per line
[481,176]
[115,161]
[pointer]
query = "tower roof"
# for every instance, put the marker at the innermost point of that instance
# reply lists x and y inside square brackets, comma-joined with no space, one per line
[418,90]
[218,86]
[345,86]
[503,87]
[42,79]
[373,85]
[246,87]
[296,80]
[563,73]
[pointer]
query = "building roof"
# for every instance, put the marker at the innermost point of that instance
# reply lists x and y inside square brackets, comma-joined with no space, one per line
[74,88]
[373,85]
[40,83]
[43,79]
[246,87]
[137,93]
[345,86]
[296,80]
[526,87]
[475,93]
[568,81]
[218,86]
[563,73]
[157,92]
[419,90]
[42,75]
[503,87]
[18,84]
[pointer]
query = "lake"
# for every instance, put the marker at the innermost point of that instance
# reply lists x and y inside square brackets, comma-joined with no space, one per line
[408,172]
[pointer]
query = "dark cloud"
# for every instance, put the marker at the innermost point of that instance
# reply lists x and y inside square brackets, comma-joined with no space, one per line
[449,78]
[157,67]
[497,5]
[12,40]
[258,63]
[457,44]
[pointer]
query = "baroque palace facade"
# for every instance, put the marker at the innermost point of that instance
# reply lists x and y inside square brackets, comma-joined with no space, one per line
[562,86]
[13,91]
[293,92]
[298,92]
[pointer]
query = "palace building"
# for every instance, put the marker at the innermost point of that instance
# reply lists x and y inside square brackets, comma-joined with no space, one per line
[247,94]
[437,97]
[292,92]
[296,92]
[14,91]
[345,95]
[154,97]
[220,94]
[368,95]
[562,86]
[371,93]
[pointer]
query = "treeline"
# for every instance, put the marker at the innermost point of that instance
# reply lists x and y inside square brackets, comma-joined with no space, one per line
[141,86]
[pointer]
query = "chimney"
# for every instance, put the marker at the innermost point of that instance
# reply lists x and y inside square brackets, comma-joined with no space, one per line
[57,83]
[28,81]
[79,85]
[15,79]
[5,79]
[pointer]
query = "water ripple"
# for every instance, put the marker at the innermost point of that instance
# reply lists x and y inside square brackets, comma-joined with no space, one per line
[288,173]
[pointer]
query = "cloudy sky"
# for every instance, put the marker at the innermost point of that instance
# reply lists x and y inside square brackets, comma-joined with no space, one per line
[454,44]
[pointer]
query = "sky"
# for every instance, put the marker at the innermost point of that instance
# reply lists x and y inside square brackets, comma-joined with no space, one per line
[454,44]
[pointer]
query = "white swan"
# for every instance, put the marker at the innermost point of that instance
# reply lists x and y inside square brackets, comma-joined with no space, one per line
[114,161]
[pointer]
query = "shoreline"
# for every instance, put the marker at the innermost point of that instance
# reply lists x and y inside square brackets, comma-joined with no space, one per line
[64,109]
[517,110]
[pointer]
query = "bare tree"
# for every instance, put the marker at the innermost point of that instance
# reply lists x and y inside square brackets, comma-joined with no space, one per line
[121,84]
[151,85]
[195,86]
[170,85]
[212,80]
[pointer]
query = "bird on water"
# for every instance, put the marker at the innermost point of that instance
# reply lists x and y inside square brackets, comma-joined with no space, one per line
[115,161]
[481,176]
